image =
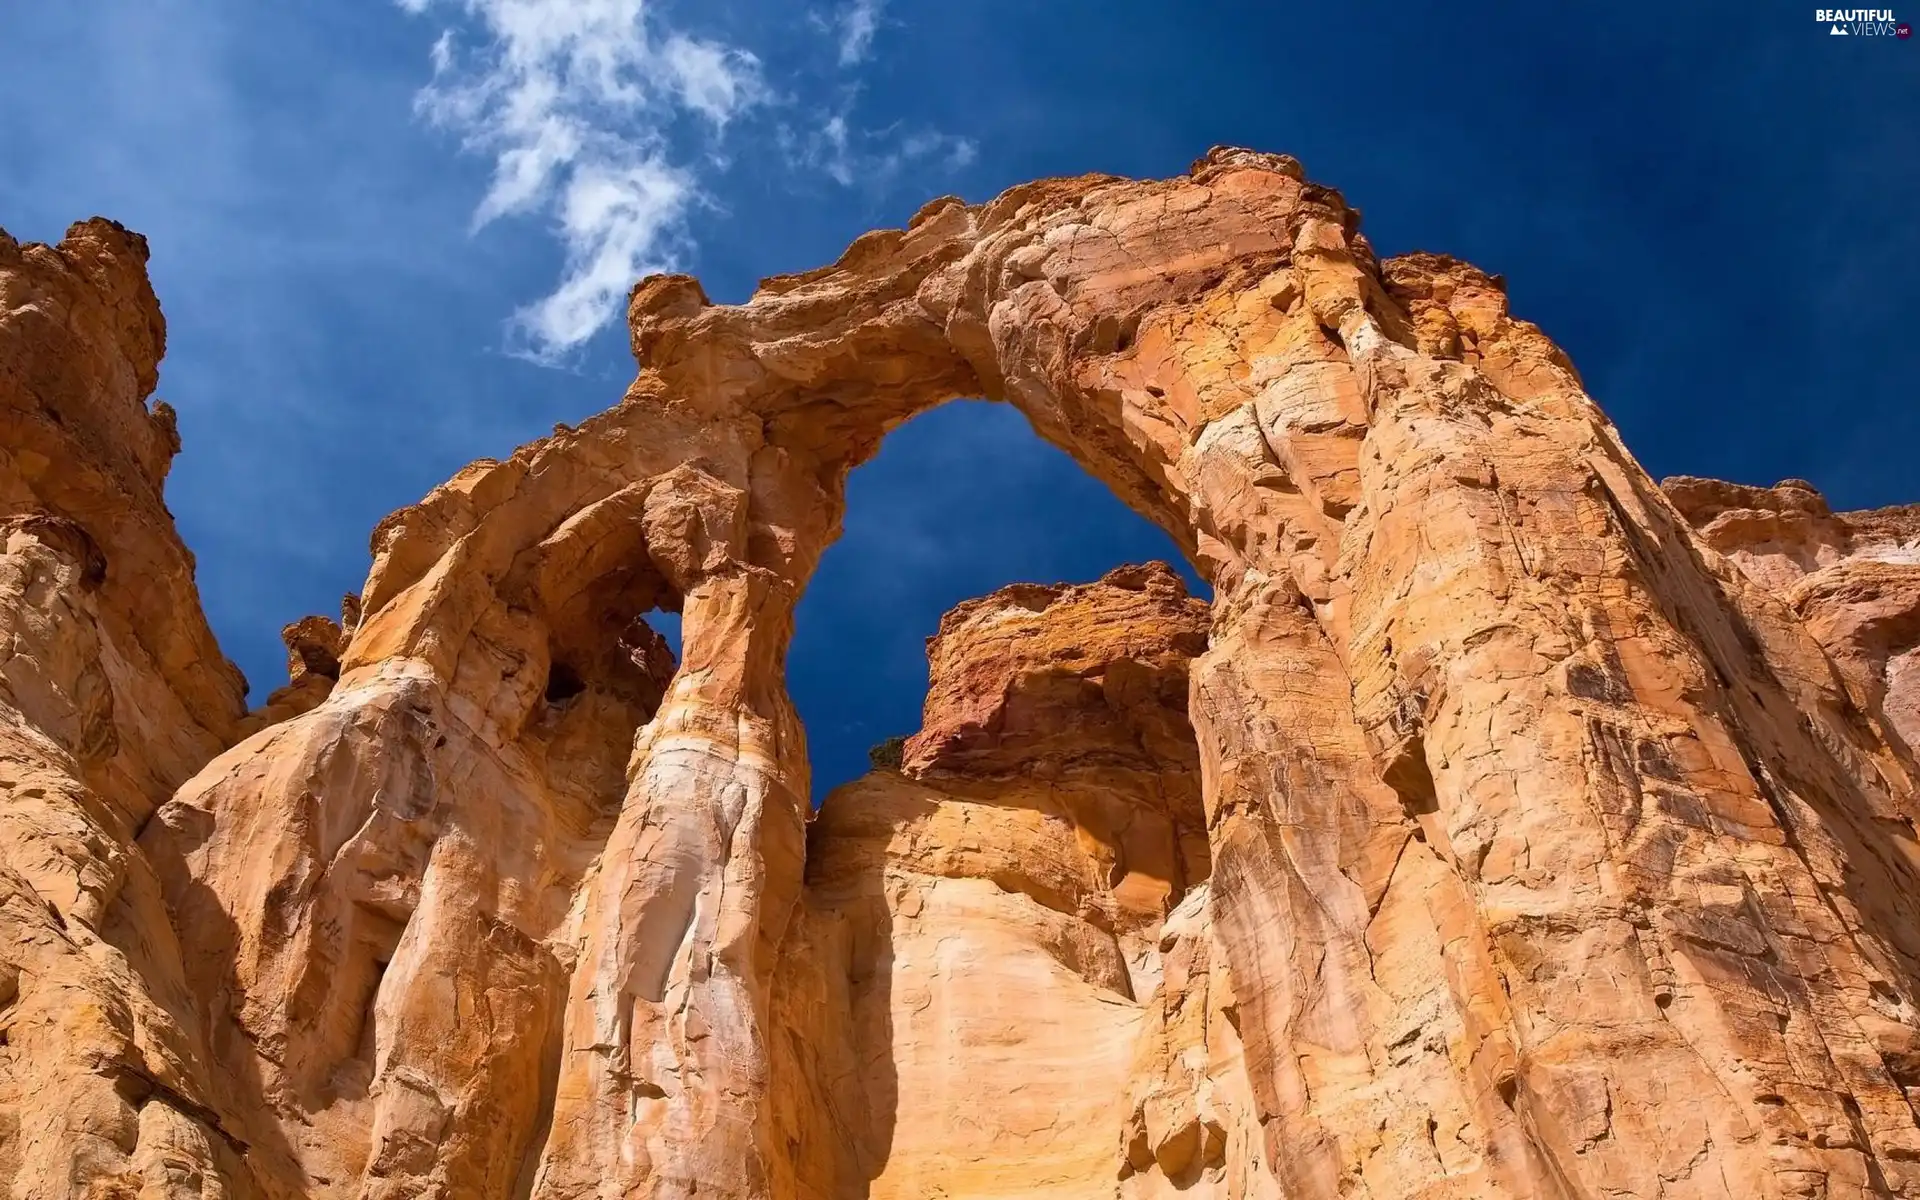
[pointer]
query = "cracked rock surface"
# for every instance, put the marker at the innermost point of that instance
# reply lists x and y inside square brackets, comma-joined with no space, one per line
[1506,824]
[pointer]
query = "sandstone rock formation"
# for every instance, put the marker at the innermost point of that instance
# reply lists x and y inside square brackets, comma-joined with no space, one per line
[1852,578]
[972,992]
[112,693]
[1529,840]
[313,646]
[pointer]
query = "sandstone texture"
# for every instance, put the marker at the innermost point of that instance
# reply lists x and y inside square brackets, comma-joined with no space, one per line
[112,694]
[975,989]
[1503,826]
[1852,578]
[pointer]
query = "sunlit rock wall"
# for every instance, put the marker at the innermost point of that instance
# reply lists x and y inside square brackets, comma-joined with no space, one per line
[1557,833]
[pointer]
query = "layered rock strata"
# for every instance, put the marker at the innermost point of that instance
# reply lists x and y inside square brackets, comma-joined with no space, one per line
[1553,847]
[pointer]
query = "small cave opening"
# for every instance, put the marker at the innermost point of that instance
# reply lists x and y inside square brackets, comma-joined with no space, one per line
[628,660]
[666,623]
[563,683]
[608,668]
[605,640]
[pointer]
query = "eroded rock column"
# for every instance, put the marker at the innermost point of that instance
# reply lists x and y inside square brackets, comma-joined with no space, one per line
[1645,797]
[662,1089]
[112,692]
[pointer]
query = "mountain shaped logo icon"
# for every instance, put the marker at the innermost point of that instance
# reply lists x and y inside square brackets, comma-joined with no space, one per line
[1839,32]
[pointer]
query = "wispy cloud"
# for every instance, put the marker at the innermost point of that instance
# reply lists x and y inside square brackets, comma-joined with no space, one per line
[857,23]
[851,156]
[573,99]
[603,119]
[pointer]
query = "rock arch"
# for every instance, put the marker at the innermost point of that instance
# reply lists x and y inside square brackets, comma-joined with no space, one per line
[1550,856]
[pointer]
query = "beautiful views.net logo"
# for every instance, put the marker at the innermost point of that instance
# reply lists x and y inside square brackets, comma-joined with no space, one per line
[1862,22]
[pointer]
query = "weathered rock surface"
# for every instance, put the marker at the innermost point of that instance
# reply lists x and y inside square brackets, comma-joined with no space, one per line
[972,991]
[1853,579]
[1552,846]
[112,693]
[313,646]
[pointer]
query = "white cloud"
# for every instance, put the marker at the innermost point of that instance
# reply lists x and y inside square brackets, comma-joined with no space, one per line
[714,81]
[858,22]
[613,221]
[875,158]
[953,151]
[830,151]
[573,100]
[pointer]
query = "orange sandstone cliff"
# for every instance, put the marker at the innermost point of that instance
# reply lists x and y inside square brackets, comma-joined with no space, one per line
[1505,825]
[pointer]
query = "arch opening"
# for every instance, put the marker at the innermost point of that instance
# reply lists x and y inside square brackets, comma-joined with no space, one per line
[1009,845]
[960,501]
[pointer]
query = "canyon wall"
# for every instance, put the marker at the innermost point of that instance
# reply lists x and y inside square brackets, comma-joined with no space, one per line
[112,694]
[1523,829]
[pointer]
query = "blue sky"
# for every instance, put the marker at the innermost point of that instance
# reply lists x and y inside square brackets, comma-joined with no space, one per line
[385,235]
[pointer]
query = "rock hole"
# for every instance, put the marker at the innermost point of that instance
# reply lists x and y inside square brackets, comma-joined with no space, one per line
[1412,780]
[1052,720]
[563,683]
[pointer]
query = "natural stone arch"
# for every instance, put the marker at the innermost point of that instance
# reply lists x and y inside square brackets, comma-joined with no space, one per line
[1548,856]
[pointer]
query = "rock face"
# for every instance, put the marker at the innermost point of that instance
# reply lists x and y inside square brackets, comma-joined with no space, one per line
[973,991]
[112,693]
[1852,578]
[1505,826]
